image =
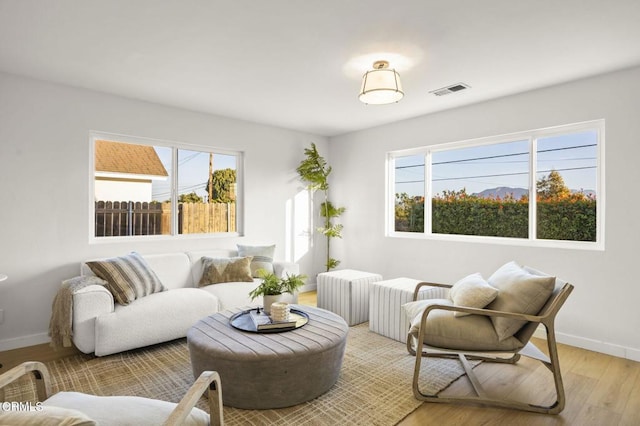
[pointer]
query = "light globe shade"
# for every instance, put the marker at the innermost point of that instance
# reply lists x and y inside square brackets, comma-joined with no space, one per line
[381,86]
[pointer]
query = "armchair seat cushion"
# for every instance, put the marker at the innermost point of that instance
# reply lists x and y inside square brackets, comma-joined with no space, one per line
[123,410]
[46,415]
[468,333]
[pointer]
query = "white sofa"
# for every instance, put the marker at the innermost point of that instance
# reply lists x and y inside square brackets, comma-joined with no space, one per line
[104,327]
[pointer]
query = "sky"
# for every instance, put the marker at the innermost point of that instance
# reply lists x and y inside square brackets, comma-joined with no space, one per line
[478,168]
[193,170]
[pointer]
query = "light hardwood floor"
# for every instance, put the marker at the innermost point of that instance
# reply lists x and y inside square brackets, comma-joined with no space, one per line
[601,390]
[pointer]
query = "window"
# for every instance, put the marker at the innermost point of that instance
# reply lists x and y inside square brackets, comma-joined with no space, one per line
[482,188]
[144,188]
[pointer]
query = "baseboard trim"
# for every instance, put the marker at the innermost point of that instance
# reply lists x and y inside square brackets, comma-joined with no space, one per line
[308,287]
[592,345]
[24,341]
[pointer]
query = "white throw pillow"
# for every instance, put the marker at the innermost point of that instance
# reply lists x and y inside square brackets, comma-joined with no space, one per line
[473,292]
[262,257]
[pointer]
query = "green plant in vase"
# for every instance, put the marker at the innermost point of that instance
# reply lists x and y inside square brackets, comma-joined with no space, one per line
[272,287]
[314,171]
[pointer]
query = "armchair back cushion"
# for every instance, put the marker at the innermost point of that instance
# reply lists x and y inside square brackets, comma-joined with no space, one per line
[520,291]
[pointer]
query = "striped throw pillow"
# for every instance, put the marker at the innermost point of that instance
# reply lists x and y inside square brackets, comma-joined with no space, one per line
[128,277]
[262,257]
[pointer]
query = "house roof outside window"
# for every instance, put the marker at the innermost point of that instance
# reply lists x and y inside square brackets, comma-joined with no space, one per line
[118,157]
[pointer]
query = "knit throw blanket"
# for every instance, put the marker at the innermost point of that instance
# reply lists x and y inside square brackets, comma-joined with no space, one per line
[60,325]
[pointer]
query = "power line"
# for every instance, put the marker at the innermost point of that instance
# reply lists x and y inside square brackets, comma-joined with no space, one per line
[498,175]
[498,156]
[514,154]
[515,174]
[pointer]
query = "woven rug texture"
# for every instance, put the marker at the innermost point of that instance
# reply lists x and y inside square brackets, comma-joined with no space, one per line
[374,387]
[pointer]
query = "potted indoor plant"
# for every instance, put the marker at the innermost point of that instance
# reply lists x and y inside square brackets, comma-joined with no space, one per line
[272,287]
[314,171]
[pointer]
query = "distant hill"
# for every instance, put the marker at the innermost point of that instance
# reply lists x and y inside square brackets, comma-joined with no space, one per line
[517,193]
[502,192]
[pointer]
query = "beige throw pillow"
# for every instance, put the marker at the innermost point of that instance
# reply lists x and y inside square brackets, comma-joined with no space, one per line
[519,292]
[225,270]
[128,277]
[473,292]
[262,258]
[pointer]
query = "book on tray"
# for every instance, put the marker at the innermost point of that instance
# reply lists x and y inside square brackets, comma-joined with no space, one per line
[264,321]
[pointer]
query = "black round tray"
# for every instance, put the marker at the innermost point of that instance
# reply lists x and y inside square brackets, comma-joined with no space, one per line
[242,321]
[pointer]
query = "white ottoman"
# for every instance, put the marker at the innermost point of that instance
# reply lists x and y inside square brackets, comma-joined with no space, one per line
[346,293]
[386,316]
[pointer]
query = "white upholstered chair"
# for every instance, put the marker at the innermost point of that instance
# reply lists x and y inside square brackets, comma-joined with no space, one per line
[74,408]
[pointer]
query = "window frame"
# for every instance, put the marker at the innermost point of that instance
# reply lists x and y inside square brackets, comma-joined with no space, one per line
[532,136]
[174,146]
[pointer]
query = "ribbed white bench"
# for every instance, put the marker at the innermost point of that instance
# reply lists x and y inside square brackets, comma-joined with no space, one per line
[385,307]
[346,292]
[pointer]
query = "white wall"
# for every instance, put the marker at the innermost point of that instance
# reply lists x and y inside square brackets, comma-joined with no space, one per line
[44,188]
[602,313]
[115,190]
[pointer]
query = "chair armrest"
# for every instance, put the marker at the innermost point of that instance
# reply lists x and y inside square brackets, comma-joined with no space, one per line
[281,269]
[40,373]
[425,284]
[208,381]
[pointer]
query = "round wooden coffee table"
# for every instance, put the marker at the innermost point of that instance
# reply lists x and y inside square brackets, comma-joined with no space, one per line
[272,370]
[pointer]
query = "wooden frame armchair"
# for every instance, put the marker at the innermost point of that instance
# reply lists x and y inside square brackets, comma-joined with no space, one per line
[208,382]
[416,345]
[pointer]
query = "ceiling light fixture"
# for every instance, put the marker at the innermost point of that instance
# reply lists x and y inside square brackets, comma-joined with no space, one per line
[381,85]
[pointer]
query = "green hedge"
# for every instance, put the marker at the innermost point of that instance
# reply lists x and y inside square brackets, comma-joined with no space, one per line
[569,219]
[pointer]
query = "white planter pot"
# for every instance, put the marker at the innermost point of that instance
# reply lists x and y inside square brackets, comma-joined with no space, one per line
[267,301]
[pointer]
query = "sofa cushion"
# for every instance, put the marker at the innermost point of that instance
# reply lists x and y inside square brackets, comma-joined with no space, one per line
[225,270]
[262,257]
[123,410]
[128,277]
[519,292]
[157,318]
[234,295]
[472,291]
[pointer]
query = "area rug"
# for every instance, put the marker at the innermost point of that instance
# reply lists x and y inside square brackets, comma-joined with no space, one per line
[374,387]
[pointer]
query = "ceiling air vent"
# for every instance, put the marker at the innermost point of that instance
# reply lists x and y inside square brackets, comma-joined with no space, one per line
[450,89]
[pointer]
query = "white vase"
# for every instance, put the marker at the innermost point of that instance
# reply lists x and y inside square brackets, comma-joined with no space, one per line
[268,300]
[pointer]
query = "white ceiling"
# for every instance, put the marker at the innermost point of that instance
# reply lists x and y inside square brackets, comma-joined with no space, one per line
[298,63]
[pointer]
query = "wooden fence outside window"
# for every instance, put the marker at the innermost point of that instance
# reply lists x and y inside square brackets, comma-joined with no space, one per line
[126,218]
